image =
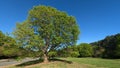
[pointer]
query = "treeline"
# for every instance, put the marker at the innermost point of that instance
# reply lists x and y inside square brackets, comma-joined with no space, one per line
[108,47]
[81,50]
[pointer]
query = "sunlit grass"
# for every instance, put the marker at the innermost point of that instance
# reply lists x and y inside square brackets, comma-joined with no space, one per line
[109,63]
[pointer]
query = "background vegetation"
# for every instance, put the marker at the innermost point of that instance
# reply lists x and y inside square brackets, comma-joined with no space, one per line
[106,48]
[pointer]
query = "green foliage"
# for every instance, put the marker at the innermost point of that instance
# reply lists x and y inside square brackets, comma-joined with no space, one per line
[70,51]
[52,54]
[54,26]
[1,43]
[98,51]
[108,47]
[73,51]
[117,51]
[64,52]
[2,38]
[74,54]
[46,29]
[27,40]
[85,50]
[82,50]
[18,58]
[8,46]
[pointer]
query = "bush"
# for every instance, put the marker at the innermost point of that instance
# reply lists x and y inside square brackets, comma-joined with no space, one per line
[52,54]
[74,54]
[85,50]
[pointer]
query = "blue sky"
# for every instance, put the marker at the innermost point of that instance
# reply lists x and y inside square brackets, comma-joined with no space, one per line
[96,18]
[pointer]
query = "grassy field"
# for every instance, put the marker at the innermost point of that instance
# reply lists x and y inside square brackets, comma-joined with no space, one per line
[72,63]
[107,63]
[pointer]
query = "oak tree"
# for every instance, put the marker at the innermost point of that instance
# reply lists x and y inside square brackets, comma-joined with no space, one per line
[47,29]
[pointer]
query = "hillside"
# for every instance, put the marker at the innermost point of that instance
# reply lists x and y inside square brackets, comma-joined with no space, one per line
[108,47]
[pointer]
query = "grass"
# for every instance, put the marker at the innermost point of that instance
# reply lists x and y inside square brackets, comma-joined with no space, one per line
[71,63]
[108,63]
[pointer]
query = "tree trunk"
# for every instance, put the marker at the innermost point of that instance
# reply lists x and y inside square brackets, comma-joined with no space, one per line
[45,50]
[45,58]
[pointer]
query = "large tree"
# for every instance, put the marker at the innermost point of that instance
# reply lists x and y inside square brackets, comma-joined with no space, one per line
[47,29]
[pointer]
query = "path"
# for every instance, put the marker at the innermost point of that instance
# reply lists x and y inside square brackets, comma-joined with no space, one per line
[5,62]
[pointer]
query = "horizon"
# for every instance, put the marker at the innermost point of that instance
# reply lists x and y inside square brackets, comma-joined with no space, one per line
[96,19]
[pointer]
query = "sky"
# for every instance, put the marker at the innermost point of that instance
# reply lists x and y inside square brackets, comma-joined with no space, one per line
[95,18]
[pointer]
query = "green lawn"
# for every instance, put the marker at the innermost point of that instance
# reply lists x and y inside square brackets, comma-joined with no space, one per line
[75,63]
[109,63]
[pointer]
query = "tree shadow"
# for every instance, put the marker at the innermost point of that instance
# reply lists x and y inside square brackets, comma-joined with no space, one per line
[40,61]
[30,63]
[61,60]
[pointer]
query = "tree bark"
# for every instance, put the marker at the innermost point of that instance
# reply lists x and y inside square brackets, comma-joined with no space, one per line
[45,58]
[45,51]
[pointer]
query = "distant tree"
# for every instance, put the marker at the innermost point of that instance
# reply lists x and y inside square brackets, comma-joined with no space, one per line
[47,29]
[63,52]
[2,38]
[74,54]
[117,48]
[117,51]
[70,51]
[1,42]
[85,50]
[98,51]
[8,46]
[108,47]
[52,54]
[73,51]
